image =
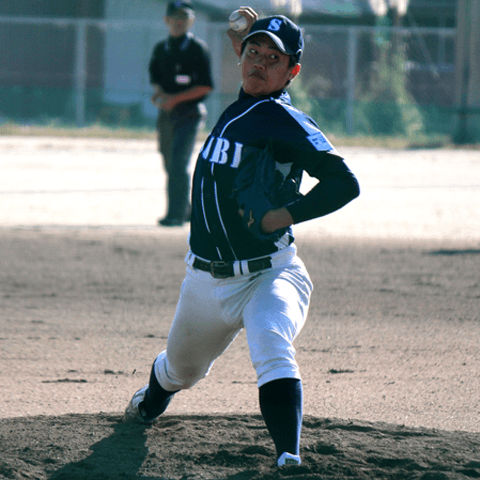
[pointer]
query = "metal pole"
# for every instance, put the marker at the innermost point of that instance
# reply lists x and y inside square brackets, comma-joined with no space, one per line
[216,39]
[351,77]
[80,71]
[464,74]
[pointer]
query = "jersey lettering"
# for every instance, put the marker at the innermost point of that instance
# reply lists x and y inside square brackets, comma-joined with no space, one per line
[275,25]
[206,150]
[237,155]
[222,152]
[319,141]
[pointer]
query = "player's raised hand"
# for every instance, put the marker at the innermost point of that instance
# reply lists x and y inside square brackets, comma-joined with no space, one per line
[237,36]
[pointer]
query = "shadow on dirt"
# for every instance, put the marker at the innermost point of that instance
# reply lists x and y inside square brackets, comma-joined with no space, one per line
[455,252]
[117,456]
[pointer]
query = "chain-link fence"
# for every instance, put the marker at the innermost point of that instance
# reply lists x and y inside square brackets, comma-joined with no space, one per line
[379,81]
[355,80]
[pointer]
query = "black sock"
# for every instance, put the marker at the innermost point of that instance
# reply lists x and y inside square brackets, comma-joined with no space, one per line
[281,404]
[156,398]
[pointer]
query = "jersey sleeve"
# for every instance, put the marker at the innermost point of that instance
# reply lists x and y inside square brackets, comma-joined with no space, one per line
[308,149]
[337,186]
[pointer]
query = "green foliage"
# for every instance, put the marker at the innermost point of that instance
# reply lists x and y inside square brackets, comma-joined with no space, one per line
[329,113]
[112,115]
[33,102]
[48,106]
[385,107]
[300,97]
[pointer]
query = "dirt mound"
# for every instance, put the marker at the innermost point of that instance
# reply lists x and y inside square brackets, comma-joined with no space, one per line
[101,446]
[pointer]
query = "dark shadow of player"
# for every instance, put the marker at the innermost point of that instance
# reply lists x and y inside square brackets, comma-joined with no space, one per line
[120,455]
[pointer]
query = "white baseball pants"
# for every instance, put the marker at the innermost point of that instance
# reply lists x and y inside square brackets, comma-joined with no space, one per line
[271,305]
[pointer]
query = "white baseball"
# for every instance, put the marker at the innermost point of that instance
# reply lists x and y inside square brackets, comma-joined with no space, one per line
[237,22]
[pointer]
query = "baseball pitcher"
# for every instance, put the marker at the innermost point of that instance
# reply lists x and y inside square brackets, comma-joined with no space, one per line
[242,270]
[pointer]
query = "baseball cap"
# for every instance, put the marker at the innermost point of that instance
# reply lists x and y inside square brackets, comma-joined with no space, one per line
[178,5]
[286,35]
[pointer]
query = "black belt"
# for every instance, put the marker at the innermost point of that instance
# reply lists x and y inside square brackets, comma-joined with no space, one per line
[219,269]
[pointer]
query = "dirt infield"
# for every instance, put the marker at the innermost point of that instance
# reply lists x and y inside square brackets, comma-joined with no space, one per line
[88,286]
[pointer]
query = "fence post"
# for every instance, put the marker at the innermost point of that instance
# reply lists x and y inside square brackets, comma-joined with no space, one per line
[467,78]
[80,71]
[215,42]
[351,76]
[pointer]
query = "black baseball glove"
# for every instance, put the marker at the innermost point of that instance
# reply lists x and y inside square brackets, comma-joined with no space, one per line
[259,187]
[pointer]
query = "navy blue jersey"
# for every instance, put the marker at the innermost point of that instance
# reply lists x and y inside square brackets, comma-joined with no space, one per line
[217,231]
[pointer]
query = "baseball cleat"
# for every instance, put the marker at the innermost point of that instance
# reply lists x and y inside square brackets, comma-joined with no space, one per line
[134,411]
[287,459]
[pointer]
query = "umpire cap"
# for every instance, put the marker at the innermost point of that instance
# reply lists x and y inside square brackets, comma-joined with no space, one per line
[180,5]
[287,36]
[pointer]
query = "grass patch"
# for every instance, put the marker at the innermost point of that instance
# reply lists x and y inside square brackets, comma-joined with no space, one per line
[392,142]
[99,131]
[94,131]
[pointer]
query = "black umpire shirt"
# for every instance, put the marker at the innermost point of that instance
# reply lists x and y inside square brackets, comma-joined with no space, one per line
[181,63]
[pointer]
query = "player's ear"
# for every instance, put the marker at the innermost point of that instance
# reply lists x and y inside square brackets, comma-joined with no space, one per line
[295,71]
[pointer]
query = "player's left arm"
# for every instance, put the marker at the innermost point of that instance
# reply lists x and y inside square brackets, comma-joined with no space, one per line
[275,219]
[337,186]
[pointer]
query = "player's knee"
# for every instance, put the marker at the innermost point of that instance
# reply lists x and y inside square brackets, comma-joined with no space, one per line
[187,377]
[174,377]
[273,356]
[273,340]
[274,365]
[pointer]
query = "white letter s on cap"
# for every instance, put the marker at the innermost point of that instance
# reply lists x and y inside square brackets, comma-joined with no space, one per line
[275,25]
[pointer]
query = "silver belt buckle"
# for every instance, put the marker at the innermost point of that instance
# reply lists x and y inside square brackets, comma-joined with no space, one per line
[218,264]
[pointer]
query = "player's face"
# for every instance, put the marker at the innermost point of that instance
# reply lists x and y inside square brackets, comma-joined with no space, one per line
[265,69]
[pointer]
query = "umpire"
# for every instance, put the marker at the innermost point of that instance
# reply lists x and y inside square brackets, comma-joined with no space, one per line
[181,77]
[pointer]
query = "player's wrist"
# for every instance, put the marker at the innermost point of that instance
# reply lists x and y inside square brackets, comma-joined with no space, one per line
[275,219]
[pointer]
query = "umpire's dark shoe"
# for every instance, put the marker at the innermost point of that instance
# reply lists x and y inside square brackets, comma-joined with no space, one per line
[171,222]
